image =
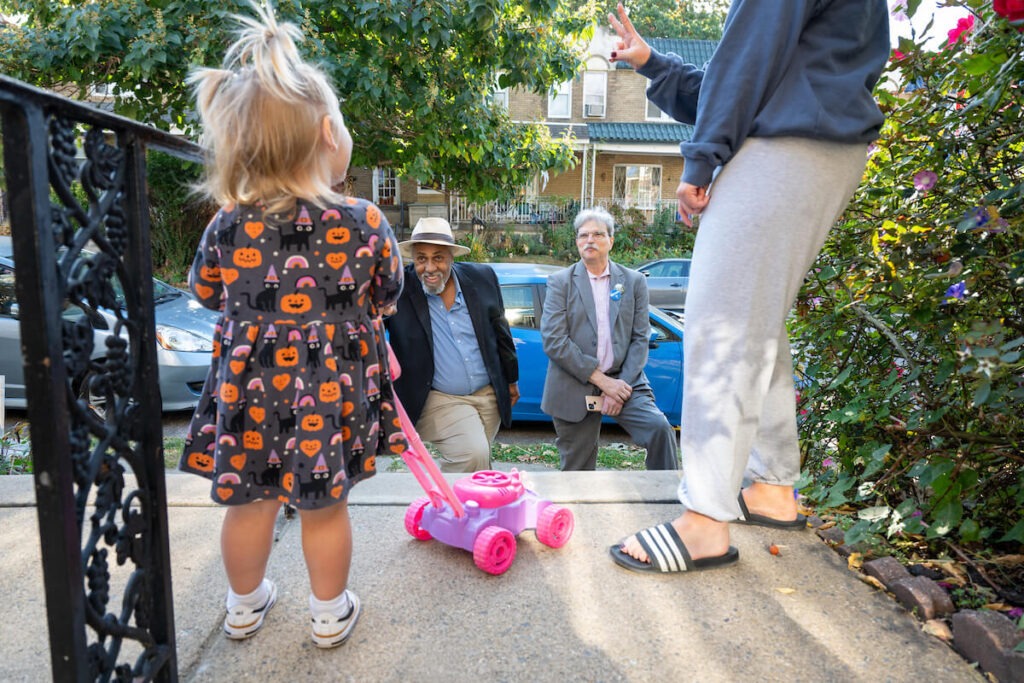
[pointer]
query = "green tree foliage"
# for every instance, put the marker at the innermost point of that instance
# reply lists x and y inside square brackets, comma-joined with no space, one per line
[178,215]
[693,19]
[414,74]
[910,329]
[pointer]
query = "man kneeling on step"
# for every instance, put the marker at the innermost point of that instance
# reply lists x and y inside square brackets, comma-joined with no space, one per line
[459,366]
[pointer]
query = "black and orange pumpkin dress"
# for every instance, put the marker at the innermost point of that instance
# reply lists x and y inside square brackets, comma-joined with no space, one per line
[298,401]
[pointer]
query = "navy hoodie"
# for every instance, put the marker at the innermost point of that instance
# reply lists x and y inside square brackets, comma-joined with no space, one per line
[784,68]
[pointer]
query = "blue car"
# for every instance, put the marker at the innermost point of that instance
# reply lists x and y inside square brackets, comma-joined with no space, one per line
[523,286]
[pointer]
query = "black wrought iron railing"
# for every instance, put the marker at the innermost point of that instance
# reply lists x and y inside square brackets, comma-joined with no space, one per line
[76,192]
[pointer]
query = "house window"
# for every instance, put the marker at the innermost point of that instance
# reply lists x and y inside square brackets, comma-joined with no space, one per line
[499,95]
[637,186]
[102,90]
[434,188]
[655,114]
[560,101]
[595,87]
[385,186]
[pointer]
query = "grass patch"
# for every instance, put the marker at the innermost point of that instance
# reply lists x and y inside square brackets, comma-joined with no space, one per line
[616,456]
[15,450]
[173,446]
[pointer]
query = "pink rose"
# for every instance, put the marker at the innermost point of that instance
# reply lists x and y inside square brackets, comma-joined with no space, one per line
[959,33]
[1010,9]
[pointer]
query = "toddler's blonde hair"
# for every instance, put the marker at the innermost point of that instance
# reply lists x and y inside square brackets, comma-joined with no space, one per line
[261,116]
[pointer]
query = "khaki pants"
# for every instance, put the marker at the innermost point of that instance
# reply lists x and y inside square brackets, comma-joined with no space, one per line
[461,428]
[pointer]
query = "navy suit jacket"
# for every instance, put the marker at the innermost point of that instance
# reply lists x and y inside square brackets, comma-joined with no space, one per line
[412,337]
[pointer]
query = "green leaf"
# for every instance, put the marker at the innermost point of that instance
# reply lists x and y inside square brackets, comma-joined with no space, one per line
[969,530]
[906,508]
[861,531]
[1015,534]
[837,492]
[979,63]
[880,452]
[946,518]
[928,473]
[981,393]
[1013,344]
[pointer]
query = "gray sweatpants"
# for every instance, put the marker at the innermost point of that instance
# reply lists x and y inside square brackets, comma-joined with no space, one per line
[771,208]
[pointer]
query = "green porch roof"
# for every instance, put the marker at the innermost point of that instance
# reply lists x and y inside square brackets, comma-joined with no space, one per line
[696,52]
[639,132]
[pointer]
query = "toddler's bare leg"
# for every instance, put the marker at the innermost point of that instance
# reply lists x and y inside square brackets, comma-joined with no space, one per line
[327,546]
[246,538]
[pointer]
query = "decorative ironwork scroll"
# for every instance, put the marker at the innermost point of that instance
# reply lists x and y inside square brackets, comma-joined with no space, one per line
[76,186]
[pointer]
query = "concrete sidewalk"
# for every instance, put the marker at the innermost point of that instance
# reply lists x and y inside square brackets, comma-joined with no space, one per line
[557,615]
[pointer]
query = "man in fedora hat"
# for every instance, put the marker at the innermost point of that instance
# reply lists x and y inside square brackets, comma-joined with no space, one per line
[459,367]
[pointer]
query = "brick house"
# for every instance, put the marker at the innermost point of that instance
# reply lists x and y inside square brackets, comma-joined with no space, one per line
[627,150]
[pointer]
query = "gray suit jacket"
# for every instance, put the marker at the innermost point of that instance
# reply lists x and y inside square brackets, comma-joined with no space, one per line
[568,328]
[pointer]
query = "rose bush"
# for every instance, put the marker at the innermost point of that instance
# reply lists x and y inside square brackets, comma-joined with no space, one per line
[910,330]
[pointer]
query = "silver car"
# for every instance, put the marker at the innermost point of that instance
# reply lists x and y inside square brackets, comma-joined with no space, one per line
[667,282]
[184,332]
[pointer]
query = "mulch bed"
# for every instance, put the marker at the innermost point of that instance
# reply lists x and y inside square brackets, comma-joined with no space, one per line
[972,604]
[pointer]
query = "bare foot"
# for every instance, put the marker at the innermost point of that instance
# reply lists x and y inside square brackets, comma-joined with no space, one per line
[702,536]
[770,500]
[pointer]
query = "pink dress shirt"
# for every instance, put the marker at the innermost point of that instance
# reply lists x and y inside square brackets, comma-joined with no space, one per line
[601,287]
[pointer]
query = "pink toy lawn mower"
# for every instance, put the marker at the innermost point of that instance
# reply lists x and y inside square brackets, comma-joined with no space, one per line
[482,513]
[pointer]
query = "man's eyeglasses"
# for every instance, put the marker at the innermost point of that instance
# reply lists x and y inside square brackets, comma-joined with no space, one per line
[584,236]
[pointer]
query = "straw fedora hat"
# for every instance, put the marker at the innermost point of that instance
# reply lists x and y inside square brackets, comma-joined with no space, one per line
[431,230]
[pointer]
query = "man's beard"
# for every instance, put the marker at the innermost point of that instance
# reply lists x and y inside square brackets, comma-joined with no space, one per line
[436,291]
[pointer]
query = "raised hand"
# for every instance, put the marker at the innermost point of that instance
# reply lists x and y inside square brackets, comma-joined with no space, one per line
[630,47]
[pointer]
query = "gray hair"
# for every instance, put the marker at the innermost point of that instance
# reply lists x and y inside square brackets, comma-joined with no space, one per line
[595,214]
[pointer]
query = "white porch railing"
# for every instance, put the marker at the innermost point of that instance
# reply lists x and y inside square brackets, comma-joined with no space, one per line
[523,211]
[541,210]
[650,209]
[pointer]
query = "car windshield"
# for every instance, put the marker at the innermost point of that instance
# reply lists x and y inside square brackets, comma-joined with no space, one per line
[162,292]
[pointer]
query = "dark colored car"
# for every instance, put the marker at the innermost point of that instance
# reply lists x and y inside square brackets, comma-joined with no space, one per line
[184,331]
[523,286]
[667,281]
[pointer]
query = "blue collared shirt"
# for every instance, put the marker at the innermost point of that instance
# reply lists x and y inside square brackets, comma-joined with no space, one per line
[458,364]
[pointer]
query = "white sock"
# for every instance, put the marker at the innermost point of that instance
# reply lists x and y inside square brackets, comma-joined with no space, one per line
[339,606]
[253,600]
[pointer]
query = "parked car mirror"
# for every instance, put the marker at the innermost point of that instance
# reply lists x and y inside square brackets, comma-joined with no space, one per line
[652,340]
[75,312]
